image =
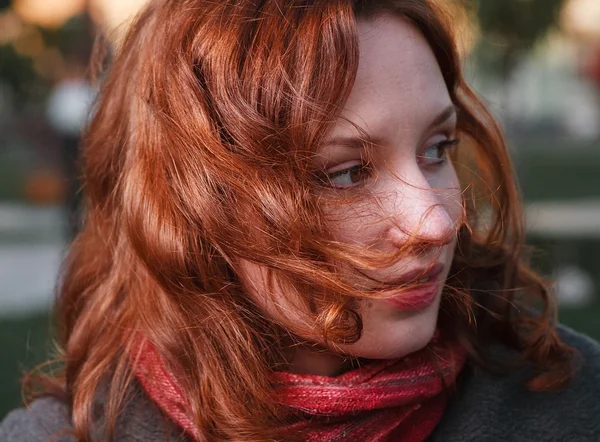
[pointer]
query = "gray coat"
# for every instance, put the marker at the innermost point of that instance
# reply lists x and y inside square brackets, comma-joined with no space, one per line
[486,408]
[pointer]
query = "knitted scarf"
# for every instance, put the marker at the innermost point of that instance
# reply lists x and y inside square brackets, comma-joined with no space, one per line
[394,400]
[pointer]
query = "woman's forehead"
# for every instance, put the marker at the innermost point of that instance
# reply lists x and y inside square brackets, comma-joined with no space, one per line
[398,84]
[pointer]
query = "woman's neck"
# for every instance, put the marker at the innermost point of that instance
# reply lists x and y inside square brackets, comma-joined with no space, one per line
[317,361]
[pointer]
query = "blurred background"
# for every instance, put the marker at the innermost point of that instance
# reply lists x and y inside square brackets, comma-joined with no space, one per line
[536,63]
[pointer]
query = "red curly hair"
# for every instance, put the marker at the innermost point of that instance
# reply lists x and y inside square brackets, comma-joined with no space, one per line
[198,155]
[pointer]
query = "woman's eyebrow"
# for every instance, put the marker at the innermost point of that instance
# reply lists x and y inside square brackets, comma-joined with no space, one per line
[354,141]
[365,140]
[443,116]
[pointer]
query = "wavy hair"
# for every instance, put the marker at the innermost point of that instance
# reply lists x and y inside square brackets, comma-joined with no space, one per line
[198,156]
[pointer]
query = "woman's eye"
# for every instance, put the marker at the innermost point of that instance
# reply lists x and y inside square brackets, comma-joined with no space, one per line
[438,153]
[348,177]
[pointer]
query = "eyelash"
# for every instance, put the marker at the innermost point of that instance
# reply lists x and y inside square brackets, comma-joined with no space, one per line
[443,146]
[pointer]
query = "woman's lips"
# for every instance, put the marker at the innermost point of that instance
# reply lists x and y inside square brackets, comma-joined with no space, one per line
[421,296]
[416,299]
[430,273]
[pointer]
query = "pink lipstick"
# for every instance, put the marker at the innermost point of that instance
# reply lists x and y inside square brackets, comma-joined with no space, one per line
[422,296]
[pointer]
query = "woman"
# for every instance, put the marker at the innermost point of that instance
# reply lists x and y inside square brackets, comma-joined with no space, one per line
[303,225]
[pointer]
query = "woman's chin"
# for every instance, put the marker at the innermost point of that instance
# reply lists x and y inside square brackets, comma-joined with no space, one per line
[386,338]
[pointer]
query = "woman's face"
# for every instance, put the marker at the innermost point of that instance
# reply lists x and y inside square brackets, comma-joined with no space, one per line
[401,102]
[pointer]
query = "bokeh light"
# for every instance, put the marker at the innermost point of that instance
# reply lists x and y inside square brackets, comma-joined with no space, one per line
[115,15]
[581,19]
[48,13]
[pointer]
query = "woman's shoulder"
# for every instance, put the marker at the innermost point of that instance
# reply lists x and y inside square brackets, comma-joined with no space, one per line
[43,419]
[499,408]
[589,349]
[487,408]
[49,418]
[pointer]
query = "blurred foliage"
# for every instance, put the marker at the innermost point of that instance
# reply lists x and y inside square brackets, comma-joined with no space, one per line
[510,28]
[26,341]
[61,48]
[517,23]
[17,72]
[551,169]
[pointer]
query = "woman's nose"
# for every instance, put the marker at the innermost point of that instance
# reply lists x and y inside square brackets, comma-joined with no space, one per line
[423,215]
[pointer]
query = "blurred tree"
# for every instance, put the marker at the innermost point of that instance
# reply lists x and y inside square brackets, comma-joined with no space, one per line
[17,72]
[73,41]
[512,27]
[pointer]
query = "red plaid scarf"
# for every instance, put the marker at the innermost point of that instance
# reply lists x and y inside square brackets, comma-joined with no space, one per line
[400,400]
